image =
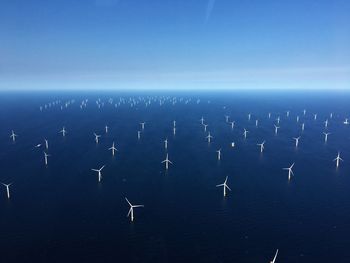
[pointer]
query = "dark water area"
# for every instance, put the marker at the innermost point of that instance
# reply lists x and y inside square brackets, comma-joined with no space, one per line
[61,213]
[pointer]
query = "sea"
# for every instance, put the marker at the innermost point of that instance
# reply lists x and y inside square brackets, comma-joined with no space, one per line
[59,212]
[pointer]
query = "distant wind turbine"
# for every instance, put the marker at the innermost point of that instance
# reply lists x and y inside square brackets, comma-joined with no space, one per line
[167,161]
[99,172]
[131,210]
[290,171]
[7,189]
[262,147]
[224,185]
[113,149]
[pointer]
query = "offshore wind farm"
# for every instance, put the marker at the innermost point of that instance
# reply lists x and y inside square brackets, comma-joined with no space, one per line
[209,131]
[203,201]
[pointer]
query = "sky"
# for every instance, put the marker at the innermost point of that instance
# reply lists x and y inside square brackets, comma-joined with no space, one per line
[178,44]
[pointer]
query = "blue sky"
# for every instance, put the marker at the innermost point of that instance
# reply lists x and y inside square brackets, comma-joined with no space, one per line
[178,44]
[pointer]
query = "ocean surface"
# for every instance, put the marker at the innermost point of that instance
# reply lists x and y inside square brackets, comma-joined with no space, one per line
[60,212]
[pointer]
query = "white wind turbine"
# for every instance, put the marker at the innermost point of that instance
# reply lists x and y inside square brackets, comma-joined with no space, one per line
[99,172]
[278,119]
[205,127]
[274,259]
[7,189]
[138,135]
[296,141]
[209,137]
[45,157]
[113,149]
[166,143]
[106,129]
[276,128]
[142,125]
[167,161]
[13,136]
[131,210]
[232,124]
[262,147]
[326,136]
[219,154]
[290,171]
[96,137]
[224,185]
[63,131]
[46,144]
[245,133]
[338,159]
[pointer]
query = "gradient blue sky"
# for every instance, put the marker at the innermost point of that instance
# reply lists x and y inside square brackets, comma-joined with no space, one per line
[179,44]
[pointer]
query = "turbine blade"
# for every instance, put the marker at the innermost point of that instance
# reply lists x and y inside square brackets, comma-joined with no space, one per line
[128,201]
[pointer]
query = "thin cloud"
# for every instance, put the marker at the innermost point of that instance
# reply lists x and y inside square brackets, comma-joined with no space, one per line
[210,7]
[106,3]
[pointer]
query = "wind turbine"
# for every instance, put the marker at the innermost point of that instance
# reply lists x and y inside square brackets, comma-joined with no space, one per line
[13,136]
[106,129]
[205,127]
[202,120]
[63,131]
[142,125]
[278,119]
[96,137]
[167,161]
[113,149]
[219,154]
[249,115]
[245,133]
[99,172]
[227,118]
[290,171]
[46,144]
[296,141]
[326,123]
[256,123]
[166,143]
[224,185]
[131,210]
[138,135]
[303,127]
[232,124]
[45,156]
[7,189]
[276,128]
[326,136]
[262,147]
[337,159]
[274,259]
[209,137]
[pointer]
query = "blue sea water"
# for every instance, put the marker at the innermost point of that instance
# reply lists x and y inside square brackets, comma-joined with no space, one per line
[61,213]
